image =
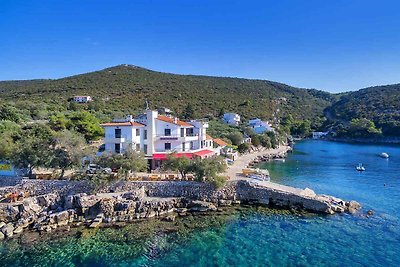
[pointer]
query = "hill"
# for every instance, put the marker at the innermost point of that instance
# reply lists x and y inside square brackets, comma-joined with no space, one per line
[124,89]
[380,104]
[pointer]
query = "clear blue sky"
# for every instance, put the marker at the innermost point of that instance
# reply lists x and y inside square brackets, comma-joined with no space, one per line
[336,45]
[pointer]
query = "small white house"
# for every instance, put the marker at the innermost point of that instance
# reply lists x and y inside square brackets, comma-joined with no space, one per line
[231,118]
[82,98]
[260,126]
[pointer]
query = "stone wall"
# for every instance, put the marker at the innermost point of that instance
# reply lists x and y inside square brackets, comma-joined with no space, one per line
[9,181]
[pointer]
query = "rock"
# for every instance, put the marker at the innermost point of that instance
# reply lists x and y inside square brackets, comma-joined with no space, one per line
[8,230]
[2,224]
[307,192]
[18,230]
[62,216]
[83,201]
[370,212]
[224,203]
[170,218]
[354,205]
[1,236]
[97,221]
[135,195]
[201,206]
[48,200]
[69,202]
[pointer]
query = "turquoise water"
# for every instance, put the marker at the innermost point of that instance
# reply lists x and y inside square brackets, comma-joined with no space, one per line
[255,236]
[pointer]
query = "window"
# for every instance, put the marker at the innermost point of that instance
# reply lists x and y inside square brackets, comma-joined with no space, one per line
[183,146]
[117,133]
[117,148]
[167,132]
[137,147]
[145,149]
[167,146]
[137,132]
[145,135]
[189,132]
[191,145]
[182,132]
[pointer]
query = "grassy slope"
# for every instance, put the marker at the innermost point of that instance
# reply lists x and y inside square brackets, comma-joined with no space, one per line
[125,88]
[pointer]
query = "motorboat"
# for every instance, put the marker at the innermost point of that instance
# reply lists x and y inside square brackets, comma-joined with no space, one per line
[360,168]
[384,155]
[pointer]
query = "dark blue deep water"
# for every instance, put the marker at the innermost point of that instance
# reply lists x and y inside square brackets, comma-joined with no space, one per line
[255,237]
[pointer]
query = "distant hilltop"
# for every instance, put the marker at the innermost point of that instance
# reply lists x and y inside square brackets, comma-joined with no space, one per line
[126,88]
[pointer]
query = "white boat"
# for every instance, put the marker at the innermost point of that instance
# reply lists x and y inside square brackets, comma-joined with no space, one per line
[360,168]
[384,155]
[259,177]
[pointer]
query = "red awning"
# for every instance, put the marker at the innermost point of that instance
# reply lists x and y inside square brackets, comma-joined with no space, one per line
[204,153]
[178,155]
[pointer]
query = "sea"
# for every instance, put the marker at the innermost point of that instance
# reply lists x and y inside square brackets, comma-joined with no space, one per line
[253,236]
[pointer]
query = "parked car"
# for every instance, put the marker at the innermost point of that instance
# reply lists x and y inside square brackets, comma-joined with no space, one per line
[94,169]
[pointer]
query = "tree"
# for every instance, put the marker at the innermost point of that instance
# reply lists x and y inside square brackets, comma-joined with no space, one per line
[265,141]
[7,130]
[255,140]
[87,124]
[68,151]
[33,147]
[362,128]
[188,113]
[208,170]
[244,147]
[59,122]
[9,113]
[181,164]
[236,138]
[129,161]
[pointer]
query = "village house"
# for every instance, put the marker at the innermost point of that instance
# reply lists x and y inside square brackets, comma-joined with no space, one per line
[260,126]
[224,149]
[231,118]
[82,98]
[157,136]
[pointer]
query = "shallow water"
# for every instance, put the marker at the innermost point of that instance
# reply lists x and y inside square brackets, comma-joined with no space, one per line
[255,236]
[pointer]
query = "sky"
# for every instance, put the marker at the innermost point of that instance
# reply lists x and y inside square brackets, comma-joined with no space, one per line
[332,45]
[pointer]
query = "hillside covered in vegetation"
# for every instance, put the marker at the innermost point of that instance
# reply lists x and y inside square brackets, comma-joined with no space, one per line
[376,107]
[124,89]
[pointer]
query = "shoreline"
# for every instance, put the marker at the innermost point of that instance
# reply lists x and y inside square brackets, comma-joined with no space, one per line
[63,203]
[383,141]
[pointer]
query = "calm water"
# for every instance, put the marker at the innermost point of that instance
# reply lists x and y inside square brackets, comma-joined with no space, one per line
[255,237]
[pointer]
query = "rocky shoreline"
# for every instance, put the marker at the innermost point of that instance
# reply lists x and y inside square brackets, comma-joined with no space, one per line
[67,206]
[268,157]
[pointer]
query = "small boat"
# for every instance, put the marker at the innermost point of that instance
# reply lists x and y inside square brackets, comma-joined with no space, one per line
[360,168]
[259,177]
[384,155]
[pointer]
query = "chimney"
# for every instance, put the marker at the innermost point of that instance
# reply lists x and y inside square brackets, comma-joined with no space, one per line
[175,120]
[129,118]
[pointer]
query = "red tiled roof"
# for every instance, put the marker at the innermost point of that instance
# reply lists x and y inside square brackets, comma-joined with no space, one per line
[208,137]
[164,156]
[220,142]
[171,120]
[127,123]
[204,152]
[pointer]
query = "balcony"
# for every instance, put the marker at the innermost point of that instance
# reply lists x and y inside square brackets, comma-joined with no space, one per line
[188,137]
[114,139]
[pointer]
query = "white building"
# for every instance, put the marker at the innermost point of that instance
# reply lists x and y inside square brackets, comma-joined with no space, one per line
[260,126]
[318,135]
[157,136]
[82,98]
[231,118]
